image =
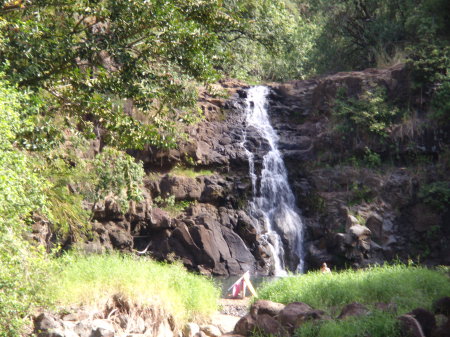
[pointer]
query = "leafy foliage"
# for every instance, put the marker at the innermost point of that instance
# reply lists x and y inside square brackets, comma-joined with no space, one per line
[437,195]
[353,34]
[118,174]
[368,114]
[22,267]
[441,103]
[89,56]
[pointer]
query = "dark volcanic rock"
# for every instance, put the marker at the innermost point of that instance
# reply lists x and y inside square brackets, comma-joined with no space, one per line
[291,312]
[353,309]
[426,320]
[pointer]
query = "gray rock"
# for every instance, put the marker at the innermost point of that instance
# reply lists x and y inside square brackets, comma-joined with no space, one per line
[47,325]
[375,224]
[83,328]
[160,219]
[190,329]
[211,330]
[102,328]
[360,232]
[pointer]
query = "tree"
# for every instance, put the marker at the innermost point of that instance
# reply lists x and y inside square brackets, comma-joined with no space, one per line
[88,56]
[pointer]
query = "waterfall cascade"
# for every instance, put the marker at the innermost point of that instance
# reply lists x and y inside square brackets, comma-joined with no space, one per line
[273,201]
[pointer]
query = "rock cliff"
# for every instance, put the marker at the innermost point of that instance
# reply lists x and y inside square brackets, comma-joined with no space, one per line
[356,213]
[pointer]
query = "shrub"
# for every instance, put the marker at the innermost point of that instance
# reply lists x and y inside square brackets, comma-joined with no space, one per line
[23,268]
[118,174]
[440,103]
[436,195]
[368,114]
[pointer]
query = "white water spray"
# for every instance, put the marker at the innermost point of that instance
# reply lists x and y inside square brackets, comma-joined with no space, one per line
[274,198]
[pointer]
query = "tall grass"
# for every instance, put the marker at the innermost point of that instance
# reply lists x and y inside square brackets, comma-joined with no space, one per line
[93,280]
[189,172]
[408,287]
[378,324]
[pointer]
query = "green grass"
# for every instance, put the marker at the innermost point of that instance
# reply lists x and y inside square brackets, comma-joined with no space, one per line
[93,280]
[377,324]
[189,172]
[407,286]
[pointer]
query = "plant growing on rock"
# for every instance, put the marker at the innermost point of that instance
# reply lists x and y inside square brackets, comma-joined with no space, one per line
[367,115]
[118,174]
[172,206]
[436,195]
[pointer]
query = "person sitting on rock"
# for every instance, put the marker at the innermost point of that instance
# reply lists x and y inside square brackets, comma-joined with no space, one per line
[324,269]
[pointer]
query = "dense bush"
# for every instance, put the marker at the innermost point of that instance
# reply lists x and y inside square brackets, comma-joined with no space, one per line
[23,267]
[369,114]
[437,195]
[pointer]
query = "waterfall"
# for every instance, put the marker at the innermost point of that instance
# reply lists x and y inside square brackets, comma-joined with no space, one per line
[273,200]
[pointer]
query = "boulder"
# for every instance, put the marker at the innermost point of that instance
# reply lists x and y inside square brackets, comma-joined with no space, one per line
[83,328]
[121,239]
[426,320]
[442,306]
[160,219]
[266,307]
[288,316]
[269,326]
[245,325]
[182,188]
[310,316]
[47,325]
[190,329]
[353,309]
[102,328]
[360,232]
[442,330]
[410,327]
[375,224]
[211,330]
